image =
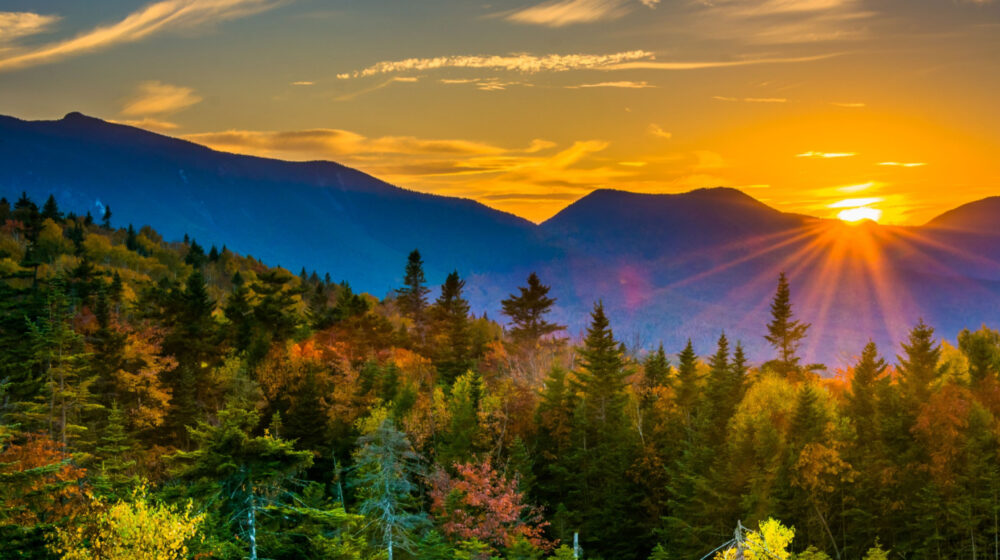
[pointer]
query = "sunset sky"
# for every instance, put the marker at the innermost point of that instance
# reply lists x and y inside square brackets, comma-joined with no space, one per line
[812,106]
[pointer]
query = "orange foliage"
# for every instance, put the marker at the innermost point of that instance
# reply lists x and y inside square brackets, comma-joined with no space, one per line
[940,426]
[140,392]
[480,503]
[47,496]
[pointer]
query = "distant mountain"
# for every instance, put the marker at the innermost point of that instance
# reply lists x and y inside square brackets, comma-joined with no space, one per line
[650,225]
[319,214]
[667,266]
[982,216]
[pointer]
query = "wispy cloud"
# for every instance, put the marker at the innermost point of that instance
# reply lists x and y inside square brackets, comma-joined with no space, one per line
[14,25]
[303,83]
[621,84]
[901,164]
[705,64]
[825,155]
[655,130]
[155,98]
[159,17]
[752,99]
[468,168]
[786,21]
[150,123]
[560,13]
[526,63]
[848,105]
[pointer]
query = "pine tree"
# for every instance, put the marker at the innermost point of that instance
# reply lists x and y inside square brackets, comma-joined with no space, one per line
[451,329]
[527,312]
[687,383]
[784,332]
[412,297]
[131,239]
[106,219]
[918,366]
[245,472]
[862,405]
[387,466]
[114,476]
[602,442]
[50,211]
[238,311]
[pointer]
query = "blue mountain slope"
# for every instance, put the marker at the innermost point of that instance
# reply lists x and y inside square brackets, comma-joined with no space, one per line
[321,214]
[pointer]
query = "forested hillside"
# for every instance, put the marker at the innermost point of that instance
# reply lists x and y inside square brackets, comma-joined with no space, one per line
[163,399]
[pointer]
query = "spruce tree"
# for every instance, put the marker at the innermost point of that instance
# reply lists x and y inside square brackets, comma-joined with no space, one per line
[687,383]
[784,332]
[387,467]
[412,297]
[527,311]
[451,329]
[246,473]
[918,365]
[50,211]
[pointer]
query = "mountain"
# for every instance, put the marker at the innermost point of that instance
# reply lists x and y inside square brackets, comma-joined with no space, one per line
[666,266]
[982,216]
[672,266]
[319,214]
[651,225]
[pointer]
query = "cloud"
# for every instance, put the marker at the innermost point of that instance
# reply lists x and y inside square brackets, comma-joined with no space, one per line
[784,21]
[303,83]
[159,17]
[701,65]
[526,63]
[328,143]
[508,177]
[826,155]
[150,123]
[655,130]
[155,98]
[901,164]
[752,99]
[485,84]
[848,105]
[558,13]
[14,25]
[622,84]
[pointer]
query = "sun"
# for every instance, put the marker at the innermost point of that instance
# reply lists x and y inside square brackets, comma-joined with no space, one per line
[859,214]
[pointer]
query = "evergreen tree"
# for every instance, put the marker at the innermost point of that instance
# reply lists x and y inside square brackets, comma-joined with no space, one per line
[784,332]
[602,447]
[982,349]
[527,311]
[246,474]
[386,467]
[918,366]
[451,329]
[687,383]
[238,311]
[412,297]
[106,219]
[50,211]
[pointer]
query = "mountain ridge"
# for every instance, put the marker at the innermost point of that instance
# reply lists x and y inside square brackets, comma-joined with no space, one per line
[667,266]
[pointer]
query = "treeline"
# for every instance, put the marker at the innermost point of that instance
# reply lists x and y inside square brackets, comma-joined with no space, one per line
[161,400]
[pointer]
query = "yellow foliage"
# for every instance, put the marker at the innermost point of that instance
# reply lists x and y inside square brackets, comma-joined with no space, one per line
[135,530]
[770,542]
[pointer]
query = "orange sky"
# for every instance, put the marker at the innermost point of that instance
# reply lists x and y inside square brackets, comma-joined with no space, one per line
[528,105]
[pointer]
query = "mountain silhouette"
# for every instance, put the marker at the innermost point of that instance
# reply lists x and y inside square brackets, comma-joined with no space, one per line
[666,266]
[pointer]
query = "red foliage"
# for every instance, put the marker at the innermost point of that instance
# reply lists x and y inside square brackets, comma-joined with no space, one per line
[481,503]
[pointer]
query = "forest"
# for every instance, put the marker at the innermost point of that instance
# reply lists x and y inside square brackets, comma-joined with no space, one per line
[161,400]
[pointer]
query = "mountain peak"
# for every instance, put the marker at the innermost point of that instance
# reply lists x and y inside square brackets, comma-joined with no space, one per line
[978,216]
